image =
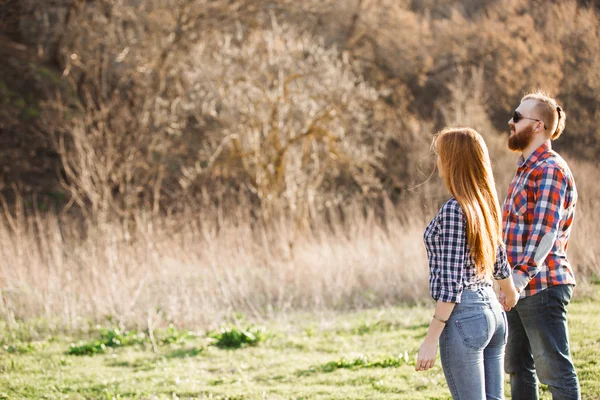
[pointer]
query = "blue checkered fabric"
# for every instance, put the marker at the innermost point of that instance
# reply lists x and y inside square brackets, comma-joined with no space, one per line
[451,266]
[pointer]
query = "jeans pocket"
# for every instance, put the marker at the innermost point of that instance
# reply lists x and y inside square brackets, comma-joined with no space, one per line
[505,327]
[473,330]
[559,295]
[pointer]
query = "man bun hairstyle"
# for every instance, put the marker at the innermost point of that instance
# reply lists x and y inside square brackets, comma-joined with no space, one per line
[548,110]
[562,116]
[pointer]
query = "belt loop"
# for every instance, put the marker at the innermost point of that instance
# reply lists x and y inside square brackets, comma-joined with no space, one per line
[484,293]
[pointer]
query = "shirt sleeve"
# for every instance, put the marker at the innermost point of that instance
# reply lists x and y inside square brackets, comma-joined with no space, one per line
[452,253]
[502,268]
[549,192]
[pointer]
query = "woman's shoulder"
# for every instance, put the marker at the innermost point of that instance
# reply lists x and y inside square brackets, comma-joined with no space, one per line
[452,206]
[451,212]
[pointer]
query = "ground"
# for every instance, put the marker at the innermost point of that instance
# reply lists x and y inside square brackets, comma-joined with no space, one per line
[359,355]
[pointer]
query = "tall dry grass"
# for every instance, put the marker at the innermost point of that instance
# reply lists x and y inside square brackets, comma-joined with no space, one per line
[197,269]
[200,268]
[584,247]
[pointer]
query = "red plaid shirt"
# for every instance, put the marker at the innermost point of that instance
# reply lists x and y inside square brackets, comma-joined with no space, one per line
[537,219]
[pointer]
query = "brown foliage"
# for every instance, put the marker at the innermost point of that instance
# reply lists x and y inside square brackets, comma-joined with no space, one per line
[261,154]
[300,103]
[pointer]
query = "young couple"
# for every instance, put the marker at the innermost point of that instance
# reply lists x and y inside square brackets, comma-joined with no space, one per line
[470,243]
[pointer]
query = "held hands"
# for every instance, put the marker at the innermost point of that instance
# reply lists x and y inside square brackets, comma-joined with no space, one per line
[426,356]
[510,299]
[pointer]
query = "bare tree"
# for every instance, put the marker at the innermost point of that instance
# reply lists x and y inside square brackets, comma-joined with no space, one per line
[292,113]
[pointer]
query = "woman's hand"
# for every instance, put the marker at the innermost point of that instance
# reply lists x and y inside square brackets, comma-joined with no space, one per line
[426,356]
[509,299]
[509,295]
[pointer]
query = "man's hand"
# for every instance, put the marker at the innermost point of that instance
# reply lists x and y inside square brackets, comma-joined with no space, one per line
[508,302]
[502,300]
[426,356]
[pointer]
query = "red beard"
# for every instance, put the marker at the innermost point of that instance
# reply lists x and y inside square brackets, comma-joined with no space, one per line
[520,140]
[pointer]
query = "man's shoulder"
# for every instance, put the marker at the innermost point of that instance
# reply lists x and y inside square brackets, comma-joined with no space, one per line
[552,163]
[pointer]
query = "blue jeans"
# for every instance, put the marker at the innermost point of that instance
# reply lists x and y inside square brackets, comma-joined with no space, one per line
[472,346]
[538,344]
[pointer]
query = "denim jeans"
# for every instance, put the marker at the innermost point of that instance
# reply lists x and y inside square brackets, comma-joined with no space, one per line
[472,346]
[538,344]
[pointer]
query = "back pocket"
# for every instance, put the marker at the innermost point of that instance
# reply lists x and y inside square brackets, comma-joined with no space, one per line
[474,331]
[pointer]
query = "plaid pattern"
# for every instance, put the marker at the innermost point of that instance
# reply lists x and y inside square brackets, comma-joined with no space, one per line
[538,212]
[451,267]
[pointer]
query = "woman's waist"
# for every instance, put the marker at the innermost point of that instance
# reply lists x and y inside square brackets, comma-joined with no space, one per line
[479,292]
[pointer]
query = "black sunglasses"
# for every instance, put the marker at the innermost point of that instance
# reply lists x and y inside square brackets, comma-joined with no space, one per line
[517,117]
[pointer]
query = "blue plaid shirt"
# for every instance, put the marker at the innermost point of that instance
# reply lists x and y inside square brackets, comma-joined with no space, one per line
[451,267]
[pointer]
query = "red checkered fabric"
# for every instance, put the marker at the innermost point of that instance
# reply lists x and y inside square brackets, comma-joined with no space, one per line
[537,220]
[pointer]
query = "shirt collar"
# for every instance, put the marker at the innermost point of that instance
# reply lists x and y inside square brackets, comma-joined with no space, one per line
[535,156]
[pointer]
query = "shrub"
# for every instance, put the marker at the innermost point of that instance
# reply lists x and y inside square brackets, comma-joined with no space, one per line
[113,337]
[231,337]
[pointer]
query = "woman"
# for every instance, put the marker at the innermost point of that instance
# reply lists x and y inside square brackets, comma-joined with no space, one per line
[464,247]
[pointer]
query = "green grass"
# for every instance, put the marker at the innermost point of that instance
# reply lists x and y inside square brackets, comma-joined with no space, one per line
[358,355]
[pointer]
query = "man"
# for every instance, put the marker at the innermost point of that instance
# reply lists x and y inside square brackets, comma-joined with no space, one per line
[537,221]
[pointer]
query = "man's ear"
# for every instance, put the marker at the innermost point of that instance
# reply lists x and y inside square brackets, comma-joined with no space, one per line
[540,126]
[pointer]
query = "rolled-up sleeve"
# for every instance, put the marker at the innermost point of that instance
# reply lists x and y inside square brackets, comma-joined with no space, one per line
[501,266]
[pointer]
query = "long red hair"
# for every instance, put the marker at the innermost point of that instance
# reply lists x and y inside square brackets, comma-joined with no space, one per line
[468,176]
